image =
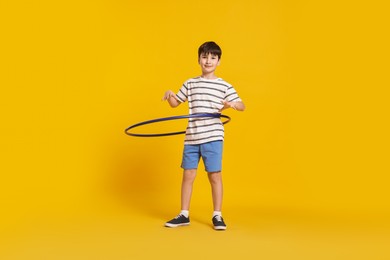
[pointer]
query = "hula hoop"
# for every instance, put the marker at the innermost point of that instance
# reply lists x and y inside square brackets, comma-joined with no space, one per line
[172,118]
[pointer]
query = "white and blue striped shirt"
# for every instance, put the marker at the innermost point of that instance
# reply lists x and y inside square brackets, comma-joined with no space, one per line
[205,96]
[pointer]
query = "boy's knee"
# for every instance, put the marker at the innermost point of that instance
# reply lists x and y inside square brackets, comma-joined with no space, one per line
[190,171]
[189,174]
[215,177]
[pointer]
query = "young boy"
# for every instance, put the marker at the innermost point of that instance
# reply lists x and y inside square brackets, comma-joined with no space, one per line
[204,136]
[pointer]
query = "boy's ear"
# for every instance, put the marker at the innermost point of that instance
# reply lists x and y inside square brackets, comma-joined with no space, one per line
[219,62]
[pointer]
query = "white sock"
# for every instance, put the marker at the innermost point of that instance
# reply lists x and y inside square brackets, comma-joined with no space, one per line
[185,213]
[217,213]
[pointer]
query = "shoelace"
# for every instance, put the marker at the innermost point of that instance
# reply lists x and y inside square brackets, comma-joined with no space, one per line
[218,218]
[178,216]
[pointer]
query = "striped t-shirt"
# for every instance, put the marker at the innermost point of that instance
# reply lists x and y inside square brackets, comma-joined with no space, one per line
[205,96]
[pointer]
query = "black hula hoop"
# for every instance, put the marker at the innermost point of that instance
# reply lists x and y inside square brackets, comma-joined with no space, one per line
[172,118]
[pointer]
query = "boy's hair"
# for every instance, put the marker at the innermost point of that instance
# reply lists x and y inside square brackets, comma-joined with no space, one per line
[210,47]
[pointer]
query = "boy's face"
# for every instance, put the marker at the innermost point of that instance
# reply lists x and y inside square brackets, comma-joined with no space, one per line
[208,62]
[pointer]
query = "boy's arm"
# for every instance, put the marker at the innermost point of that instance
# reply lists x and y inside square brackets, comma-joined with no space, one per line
[171,98]
[236,105]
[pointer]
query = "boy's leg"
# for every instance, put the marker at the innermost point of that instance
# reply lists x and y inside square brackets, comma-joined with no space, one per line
[190,162]
[186,191]
[215,179]
[186,188]
[212,158]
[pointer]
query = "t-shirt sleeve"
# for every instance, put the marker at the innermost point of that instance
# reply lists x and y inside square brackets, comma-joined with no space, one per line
[231,95]
[182,95]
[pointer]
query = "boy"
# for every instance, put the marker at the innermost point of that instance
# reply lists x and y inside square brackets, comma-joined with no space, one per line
[204,136]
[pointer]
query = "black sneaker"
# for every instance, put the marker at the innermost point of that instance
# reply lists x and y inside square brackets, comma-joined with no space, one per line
[180,220]
[218,223]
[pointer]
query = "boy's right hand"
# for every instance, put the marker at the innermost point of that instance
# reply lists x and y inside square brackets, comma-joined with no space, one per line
[168,94]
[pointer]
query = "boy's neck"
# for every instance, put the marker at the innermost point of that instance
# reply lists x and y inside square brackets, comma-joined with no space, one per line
[209,76]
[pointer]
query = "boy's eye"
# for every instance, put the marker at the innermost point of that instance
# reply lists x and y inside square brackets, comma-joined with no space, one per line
[212,57]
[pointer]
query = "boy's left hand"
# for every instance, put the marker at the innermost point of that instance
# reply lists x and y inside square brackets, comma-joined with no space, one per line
[227,104]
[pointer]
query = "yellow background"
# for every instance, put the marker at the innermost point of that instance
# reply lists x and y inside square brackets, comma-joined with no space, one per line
[305,166]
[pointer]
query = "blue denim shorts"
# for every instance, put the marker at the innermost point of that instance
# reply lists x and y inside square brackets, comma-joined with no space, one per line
[210,152]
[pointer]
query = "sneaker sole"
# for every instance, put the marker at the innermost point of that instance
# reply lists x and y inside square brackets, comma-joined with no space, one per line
[219,228]
[176,225]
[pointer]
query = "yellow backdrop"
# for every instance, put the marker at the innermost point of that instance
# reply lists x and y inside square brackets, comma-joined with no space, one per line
[305,166]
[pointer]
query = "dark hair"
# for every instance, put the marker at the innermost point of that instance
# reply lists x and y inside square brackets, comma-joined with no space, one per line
[210,47]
